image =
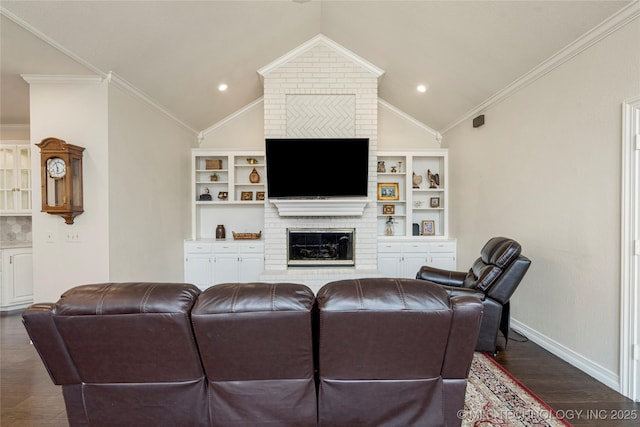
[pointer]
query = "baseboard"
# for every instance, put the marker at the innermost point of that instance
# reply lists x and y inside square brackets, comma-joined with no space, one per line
[589,367]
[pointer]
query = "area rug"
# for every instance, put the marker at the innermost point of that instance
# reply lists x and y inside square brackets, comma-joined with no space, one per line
[495,398]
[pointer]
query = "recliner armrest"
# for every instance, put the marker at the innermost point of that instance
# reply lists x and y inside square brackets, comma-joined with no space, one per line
[441,277]
[39,323]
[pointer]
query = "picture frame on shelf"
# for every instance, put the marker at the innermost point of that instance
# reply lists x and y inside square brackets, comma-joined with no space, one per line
[246,195]
[259,195]
[388,191]
[223,195]
[388,209]
[434,202]
[428,227]
[213,164]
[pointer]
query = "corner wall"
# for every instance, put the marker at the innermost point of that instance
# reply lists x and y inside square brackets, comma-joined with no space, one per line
[76,112]
[545,170]
[149,203]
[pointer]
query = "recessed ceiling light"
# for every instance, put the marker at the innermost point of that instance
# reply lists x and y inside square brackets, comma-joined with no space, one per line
[222,87]
[422,88]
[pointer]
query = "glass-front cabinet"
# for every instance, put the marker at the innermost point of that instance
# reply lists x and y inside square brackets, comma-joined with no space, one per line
[15,178]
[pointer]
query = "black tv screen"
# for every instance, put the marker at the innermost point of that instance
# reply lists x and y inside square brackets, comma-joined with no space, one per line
[317,167]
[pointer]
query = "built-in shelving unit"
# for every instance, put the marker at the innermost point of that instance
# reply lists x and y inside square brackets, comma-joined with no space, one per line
[415,205]
[223,181]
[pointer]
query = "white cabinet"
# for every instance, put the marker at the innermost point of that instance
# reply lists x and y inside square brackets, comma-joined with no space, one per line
[16,290]
[413,193]
[227,188]
[15,178]
[403,258]
[211,262]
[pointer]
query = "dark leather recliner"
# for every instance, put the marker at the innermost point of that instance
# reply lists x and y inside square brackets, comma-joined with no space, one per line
[495,275]
[393,352]
[124,354]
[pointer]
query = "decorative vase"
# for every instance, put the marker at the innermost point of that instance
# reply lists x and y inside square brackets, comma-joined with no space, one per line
[220,232]
[417,180]
[254,176]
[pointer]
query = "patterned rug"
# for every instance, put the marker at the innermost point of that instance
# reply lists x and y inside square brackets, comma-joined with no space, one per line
[495,398]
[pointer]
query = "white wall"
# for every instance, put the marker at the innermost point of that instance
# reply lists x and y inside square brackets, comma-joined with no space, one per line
[243,131]
[149,179]
[545,170]
[75,112]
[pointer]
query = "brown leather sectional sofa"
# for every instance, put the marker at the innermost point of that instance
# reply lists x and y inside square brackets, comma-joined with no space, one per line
[368,352]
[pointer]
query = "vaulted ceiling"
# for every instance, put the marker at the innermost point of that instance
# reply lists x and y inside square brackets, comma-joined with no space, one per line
[176,53]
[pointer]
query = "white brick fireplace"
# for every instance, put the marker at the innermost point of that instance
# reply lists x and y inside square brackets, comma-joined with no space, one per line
[321,90]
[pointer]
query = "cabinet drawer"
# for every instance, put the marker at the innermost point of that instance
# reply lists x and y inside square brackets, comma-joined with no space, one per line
[225,248]
[197,248]
[416,247]
[442,247]
[251,248]
[390,247]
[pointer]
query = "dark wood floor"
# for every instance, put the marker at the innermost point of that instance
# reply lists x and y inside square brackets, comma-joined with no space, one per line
[29,399]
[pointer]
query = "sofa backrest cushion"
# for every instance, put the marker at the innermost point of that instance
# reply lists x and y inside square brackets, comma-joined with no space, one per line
[130,332]
[256,344]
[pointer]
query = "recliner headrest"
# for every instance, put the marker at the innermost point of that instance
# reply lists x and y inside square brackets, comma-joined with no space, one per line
[500,251]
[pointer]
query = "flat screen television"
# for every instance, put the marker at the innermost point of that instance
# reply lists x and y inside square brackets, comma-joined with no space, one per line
[317,168]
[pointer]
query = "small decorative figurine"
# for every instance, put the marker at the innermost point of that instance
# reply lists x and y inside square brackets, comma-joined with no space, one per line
[417,180]
[434,179]
[214,177]
[389,226]
[394,169]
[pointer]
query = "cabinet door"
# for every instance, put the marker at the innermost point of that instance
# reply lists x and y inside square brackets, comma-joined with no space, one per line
[443,260]
[15,179]
[197,270]
[225,268]
[412,263]
[251,266]
[390,264]
[443,255]
[17,281]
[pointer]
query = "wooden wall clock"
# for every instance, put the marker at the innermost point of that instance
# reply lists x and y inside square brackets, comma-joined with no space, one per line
[61,166]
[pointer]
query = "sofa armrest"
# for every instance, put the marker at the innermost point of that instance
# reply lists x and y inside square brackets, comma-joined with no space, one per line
[465,327]
[441,277]
[39,323]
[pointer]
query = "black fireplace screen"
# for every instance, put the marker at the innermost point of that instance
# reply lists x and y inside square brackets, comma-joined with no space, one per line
[333,247]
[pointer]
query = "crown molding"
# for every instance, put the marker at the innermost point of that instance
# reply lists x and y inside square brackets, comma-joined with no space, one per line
[128,87]
[202,135]
[437,135]
[61,79]
[110,76]
[42,36]
[593,36]
[310,44]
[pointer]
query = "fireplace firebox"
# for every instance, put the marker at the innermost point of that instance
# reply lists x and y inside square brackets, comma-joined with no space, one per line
[316,248]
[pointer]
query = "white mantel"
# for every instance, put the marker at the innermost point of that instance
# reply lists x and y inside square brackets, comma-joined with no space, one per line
[320,207]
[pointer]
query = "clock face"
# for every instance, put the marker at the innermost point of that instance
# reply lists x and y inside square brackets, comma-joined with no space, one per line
[56,167]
